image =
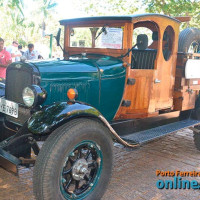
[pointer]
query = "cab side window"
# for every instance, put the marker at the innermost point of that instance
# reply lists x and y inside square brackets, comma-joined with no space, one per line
[143,56]
[168,38]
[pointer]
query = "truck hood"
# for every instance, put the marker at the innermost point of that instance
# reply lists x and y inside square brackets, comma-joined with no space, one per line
[62,69]
[78,66]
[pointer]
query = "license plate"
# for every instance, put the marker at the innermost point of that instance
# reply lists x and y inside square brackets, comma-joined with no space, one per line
[9,108]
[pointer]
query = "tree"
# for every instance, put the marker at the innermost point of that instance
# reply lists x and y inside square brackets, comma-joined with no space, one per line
[13,17]
[22,22]
[107,7]
[176,8]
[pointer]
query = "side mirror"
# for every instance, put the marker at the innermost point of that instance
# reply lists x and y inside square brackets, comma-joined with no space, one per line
[58,37]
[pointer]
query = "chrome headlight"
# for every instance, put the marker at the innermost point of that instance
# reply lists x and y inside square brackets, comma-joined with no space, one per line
[28,96]
[33,95]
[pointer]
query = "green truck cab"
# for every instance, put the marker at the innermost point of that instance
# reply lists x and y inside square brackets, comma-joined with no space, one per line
[123,79]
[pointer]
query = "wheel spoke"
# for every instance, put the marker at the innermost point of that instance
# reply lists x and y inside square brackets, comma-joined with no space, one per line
[87,155]
[93,164]
[65,172]
[71,160]
[79,154]
[77,185]
[68,184]
[86,178]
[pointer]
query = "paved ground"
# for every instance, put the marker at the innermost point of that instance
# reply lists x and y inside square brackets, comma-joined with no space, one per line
[134,173]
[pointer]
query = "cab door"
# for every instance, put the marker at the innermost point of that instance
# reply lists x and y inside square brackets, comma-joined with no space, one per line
[164,73]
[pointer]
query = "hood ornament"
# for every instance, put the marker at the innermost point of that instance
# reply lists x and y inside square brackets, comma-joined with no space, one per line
[18,66]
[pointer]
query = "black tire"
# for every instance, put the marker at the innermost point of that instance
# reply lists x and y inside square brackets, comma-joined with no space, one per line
[56,150]
[196,137]
[188,37]
[196,111]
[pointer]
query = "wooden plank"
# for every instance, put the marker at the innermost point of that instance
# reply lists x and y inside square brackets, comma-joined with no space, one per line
[184,100]
[181,59]
[78,50]
[184,18]
[142,114]
[66,39]
[192,87]
[196,54]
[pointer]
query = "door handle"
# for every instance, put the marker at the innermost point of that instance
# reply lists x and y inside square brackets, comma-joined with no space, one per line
[157,81]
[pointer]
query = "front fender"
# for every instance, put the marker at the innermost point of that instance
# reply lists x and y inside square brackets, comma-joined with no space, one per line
[49,118]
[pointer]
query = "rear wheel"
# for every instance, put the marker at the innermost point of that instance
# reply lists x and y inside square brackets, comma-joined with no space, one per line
[189,40]
[74,163]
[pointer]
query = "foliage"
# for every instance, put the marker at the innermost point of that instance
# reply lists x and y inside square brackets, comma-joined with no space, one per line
[23,22]
[13,18]
[107,7]
[176,8]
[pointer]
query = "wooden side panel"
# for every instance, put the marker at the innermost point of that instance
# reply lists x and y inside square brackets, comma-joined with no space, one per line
[162,96]
[139,94]
[109,52]
[184,100]
[186,90]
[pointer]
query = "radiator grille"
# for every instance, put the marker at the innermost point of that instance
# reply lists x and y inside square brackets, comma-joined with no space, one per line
[16,81]
[18,77]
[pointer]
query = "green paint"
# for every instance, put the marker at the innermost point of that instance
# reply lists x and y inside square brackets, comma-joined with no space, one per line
[99,81]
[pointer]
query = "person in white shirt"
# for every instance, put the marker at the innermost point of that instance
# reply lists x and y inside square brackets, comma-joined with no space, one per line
[18,58]
[13,50]
[31,54]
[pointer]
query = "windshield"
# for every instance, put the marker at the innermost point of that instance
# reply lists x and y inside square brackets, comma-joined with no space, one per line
[97,37]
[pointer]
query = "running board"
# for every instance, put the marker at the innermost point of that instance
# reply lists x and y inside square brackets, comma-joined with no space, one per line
[154,133]
[8,161]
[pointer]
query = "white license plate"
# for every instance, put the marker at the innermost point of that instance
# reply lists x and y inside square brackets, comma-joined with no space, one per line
[9,107]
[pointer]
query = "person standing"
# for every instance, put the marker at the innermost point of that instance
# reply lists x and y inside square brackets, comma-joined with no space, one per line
[5,59]
[13,50]
[31,54]
[20,49]
[19,52]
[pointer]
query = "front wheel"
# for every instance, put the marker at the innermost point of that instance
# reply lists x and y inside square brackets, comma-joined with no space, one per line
[74,163]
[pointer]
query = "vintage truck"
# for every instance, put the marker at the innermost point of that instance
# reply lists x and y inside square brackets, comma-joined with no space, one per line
[124,79]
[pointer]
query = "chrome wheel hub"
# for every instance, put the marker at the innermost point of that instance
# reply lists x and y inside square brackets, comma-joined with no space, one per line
[80,169]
